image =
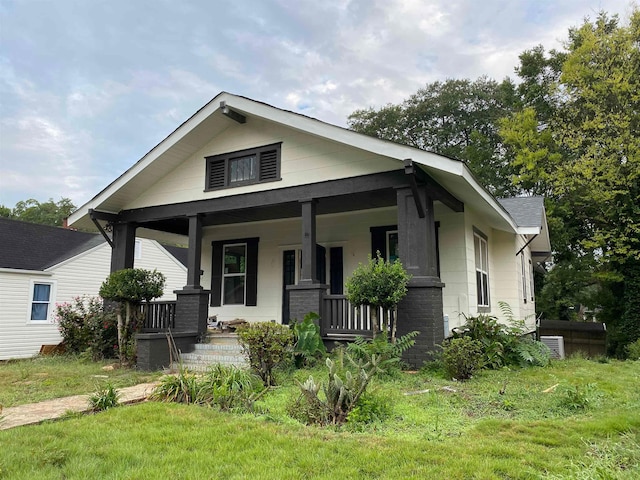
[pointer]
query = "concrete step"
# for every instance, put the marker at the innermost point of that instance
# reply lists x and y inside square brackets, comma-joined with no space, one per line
[206,354]
[220,338]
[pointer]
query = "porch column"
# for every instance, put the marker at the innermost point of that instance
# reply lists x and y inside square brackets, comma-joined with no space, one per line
[124,244]
[421,309]
[192,302]
[308,295]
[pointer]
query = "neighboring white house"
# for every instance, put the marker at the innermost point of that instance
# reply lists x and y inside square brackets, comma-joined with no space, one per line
[280,208]
[41,266]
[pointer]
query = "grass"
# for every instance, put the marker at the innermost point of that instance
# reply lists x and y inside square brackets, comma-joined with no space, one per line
[43,378]
[497,425]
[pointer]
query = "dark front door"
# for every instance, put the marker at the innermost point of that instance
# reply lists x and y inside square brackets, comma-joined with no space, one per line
[288,278]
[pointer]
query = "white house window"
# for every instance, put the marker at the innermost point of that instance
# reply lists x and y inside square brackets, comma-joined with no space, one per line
[525,275]
[482,268]
[242,169]
[234,274]
[532,277]
[41,293]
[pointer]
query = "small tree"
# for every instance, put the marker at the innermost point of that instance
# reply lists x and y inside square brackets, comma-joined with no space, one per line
[130,287]
[379,284]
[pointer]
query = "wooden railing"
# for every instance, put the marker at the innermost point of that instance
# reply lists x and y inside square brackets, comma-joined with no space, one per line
[158,316]
[341,319]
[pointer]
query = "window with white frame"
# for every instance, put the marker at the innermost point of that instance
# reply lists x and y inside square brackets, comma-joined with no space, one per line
[40,301]
[532,277]
[234,274]
[524,276]
[481,249]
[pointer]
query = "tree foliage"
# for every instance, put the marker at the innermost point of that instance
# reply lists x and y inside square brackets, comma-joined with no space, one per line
[130,287]
[455,118]
[46,213]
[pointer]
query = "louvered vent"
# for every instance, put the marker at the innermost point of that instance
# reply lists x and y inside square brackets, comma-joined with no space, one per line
[555,344]
[269,165]
[216,173]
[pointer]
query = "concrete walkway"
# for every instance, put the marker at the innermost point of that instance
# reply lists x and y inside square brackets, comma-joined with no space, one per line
[33,413]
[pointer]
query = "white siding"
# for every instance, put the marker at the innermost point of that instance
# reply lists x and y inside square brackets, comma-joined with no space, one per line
[305,159]
[81,275]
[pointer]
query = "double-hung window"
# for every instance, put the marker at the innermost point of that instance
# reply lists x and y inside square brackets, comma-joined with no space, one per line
[234,272]
[40,304]
[244,167]
[525,275]
[481,249]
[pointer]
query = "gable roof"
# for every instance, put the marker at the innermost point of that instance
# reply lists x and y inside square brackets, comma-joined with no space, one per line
[30,246]
[529,214]
[209,121]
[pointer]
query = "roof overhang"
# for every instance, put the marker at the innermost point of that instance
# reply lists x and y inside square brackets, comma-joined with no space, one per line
[211,120]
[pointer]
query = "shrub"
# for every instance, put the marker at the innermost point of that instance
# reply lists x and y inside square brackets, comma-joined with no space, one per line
[308,344]
[229,388]
[345,385]
[87,326]
[380,284]
[104,398]
[388,352]
[180,388]
[461,357]
[267,345]
[130,287]
[503,345]
[633,350]
[370,408]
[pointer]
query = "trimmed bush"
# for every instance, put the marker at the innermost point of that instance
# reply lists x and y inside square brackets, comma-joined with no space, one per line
[461,357]
[267,345]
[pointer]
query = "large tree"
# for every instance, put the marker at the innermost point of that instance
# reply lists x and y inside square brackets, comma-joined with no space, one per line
[455,118]
[578,142]
[47,213]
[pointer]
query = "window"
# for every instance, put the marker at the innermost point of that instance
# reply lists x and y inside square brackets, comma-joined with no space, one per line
[234,272]
[244,167]
[392,246]
[524,276]
[482,269]
[533,279]
[40,304]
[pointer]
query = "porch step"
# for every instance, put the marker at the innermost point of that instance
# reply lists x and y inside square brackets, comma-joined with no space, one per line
[225,350]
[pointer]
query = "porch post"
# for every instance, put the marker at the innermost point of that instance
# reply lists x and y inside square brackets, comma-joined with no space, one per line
[422,308]
[308,295]
[192,302]
[124,241]
[308,271]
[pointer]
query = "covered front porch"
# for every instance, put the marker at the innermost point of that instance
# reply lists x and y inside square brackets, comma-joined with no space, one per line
[296,246]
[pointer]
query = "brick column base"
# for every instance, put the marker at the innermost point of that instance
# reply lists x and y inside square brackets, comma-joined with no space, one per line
[304,299]
[192,310]
[421,309]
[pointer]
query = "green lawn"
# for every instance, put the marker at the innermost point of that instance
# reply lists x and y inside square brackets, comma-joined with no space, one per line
[497,425]
[42,378]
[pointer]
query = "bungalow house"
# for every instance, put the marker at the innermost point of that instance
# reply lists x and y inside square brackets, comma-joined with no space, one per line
[41,266]
[279,209]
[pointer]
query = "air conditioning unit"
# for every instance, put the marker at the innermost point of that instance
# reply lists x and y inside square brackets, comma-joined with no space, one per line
[555,344]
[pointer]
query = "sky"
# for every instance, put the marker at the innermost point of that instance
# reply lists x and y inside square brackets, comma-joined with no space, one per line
[87,87]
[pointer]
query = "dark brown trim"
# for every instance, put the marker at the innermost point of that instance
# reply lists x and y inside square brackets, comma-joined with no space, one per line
[232,114]
[223,160]
[251,273]
[438,192]
[331,188]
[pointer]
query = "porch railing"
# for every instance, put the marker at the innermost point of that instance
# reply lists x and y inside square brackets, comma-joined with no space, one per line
[158,316]
[341,319]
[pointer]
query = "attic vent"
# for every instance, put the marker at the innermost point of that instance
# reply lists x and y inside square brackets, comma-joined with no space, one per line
[216,177]
[555,344]
[269,165]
